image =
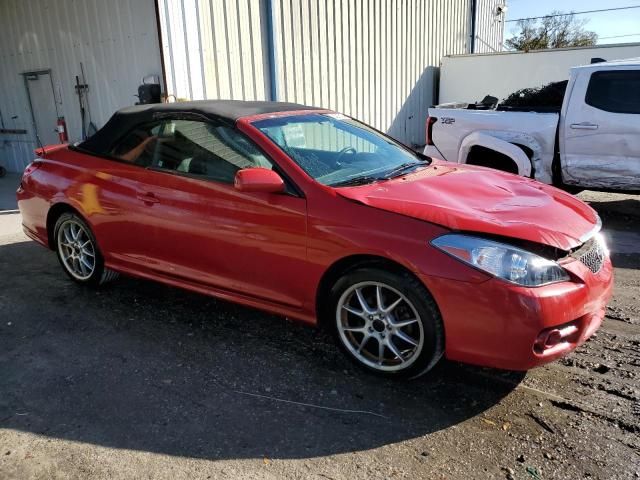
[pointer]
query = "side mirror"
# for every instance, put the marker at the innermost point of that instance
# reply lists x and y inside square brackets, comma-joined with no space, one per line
[258,180]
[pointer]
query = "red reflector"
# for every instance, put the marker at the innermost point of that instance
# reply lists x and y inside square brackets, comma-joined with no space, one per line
[32,167]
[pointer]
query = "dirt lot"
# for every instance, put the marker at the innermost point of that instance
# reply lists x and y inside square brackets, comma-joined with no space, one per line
[141,381]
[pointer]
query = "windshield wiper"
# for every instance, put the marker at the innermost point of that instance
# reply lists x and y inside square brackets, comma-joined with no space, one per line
[402,168]
[361,180]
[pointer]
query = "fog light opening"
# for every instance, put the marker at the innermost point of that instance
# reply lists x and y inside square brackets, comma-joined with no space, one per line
[553,338]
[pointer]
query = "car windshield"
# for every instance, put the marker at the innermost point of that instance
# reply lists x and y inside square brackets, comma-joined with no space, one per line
[339,151]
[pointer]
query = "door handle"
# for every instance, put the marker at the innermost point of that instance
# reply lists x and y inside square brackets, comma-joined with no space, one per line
[584,126]
[148,198]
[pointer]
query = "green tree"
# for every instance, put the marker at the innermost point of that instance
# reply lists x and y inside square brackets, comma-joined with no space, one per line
[555,31]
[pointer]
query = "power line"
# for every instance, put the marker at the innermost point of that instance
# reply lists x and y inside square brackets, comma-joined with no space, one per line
[620,36]
[574,13]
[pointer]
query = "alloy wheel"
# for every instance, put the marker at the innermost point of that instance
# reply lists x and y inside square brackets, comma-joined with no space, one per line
[379,326]
[77,251]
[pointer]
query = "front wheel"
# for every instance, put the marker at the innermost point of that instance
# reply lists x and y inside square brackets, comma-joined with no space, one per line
[387,323]
[78,251]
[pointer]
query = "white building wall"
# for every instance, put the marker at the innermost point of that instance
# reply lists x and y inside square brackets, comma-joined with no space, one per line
[116,41]
[489,26]
[468,78]
[214,49]
[376,60]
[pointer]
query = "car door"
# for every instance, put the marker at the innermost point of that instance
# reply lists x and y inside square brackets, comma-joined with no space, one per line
[208,232]
[601,130]
[107,191]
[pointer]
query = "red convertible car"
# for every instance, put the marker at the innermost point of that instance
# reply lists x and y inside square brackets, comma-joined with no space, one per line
[313,215]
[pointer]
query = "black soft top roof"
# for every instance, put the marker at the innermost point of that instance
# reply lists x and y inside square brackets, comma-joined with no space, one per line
[227,111]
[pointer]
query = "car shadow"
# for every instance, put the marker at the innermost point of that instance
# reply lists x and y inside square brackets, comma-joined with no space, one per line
[141,366]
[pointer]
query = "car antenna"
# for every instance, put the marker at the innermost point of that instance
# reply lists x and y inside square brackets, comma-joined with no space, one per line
[39,141]
[35,131]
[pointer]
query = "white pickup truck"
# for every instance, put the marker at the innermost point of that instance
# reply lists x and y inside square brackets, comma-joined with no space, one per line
[592,142]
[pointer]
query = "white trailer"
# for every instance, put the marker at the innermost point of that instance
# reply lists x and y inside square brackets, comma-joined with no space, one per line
[468,78]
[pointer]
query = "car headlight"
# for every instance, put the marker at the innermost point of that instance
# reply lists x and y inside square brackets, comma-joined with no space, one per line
[502,260]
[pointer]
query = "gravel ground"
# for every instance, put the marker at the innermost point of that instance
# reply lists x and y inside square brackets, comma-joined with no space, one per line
[138,380]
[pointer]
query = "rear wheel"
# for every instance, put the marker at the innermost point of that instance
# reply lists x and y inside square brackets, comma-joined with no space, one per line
[387,323]
[3,172]
[78,251]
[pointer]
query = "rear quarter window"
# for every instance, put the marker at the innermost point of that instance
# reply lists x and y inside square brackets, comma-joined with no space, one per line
[616,91]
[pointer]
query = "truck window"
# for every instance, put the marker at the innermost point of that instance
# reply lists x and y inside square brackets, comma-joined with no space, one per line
[615,91]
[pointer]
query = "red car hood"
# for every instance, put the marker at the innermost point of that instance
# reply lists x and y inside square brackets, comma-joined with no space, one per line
[463,197]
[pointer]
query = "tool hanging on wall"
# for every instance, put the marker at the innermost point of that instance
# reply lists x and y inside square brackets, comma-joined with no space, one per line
[81,89]
[92,126]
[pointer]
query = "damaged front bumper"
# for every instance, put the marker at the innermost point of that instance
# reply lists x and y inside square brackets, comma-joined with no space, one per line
[500,325]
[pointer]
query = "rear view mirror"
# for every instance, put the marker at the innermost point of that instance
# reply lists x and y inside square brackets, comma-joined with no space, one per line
[258,180]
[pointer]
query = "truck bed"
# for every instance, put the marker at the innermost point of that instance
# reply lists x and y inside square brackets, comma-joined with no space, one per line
[455,127]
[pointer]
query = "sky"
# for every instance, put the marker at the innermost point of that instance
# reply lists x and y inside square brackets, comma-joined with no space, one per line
[605,24]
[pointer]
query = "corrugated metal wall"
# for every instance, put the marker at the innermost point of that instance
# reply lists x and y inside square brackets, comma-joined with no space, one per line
[489,26]
[116,40]
[376,60]
[214,49]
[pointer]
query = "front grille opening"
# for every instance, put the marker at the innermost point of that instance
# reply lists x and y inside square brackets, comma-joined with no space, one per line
[591,254]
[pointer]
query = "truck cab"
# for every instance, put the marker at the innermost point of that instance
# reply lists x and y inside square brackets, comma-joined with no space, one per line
[600,127]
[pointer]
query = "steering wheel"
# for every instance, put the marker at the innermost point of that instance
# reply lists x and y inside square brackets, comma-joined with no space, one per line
[343,152]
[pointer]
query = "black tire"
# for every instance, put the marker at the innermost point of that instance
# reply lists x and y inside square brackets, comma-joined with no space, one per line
[3,172]
[420,299]
[98,275]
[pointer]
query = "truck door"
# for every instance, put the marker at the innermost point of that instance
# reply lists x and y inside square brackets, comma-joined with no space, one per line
[601,130]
